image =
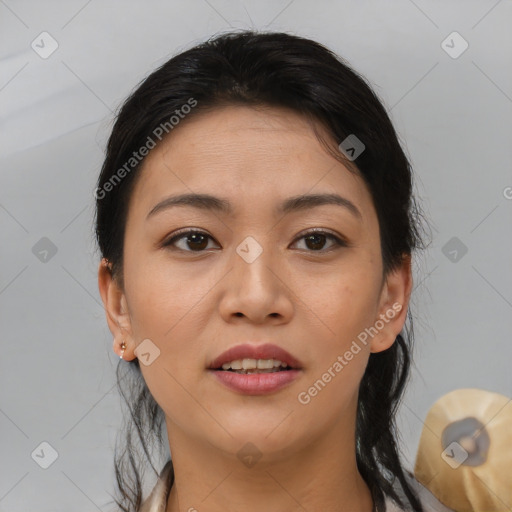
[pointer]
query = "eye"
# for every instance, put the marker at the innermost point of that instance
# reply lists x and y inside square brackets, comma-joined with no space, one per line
[197,241]
[194,241]
[315,240]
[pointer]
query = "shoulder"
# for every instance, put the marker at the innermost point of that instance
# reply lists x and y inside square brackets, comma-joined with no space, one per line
[429,502]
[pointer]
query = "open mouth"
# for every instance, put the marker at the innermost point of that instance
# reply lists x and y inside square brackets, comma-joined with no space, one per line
[248,359]
[247,375]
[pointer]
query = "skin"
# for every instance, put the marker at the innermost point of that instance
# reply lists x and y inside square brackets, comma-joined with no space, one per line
[311,300]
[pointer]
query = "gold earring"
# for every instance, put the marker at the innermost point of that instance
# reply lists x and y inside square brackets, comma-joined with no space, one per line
[123,347]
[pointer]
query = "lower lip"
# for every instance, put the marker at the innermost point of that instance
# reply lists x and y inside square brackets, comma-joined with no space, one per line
[256,383]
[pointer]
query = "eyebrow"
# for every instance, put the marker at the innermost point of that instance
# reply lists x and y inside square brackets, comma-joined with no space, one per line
[292,204]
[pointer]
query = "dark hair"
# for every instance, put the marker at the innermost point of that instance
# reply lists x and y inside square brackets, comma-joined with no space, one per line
[279,70]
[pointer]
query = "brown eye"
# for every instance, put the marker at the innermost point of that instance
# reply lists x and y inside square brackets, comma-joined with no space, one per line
[316,240]
[191,241]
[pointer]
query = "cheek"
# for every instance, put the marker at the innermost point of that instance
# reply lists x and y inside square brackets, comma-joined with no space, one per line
[343,303]
[169,312]
[171,308]
[346,307]
[163,297]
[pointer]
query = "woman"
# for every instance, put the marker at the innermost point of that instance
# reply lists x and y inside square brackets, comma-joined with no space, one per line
[256,222]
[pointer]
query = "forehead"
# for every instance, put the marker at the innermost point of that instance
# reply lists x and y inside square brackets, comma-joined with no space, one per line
[253,155]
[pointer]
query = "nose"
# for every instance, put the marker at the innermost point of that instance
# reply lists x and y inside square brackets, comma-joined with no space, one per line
[256,291]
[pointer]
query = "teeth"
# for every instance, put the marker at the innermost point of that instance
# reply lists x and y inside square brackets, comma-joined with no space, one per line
[265,364]
[249,364]
[252,364]
[236,365]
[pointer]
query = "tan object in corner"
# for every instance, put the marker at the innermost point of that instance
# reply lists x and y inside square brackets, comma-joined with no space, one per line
[465,452]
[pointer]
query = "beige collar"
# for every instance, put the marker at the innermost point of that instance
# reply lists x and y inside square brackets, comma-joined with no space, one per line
[157,500]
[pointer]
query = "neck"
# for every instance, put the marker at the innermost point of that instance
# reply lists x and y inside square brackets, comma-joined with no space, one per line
[320,476]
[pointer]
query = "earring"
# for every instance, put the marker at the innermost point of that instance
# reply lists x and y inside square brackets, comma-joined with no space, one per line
[123,347]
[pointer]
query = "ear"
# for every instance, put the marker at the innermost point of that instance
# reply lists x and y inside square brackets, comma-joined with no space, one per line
[116,310]
[393,305]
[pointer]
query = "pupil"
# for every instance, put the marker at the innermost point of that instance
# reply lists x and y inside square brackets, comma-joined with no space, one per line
[318,241]
[194,238]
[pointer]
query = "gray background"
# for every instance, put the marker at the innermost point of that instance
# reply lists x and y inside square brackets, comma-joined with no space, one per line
[57,364]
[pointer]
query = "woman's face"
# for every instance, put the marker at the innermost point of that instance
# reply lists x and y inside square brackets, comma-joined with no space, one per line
[194,298]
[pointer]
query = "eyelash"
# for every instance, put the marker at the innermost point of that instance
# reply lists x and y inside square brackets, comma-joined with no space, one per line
[338,242]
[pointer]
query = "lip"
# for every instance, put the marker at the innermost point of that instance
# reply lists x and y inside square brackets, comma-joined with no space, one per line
[256,383]
[250,351]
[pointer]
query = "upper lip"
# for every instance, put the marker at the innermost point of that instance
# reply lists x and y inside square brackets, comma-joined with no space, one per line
[250,351]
